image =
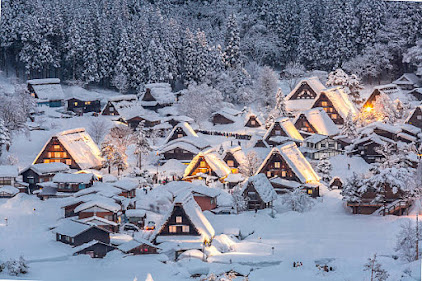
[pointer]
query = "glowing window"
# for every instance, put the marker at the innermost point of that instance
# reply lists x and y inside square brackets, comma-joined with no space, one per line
[253,122]
[283,174]
[203,164]
[57,154]
[56,147]
[419,117]
[172,229]
[310,191]
[75,103]
[180,136]
[334,116]
[68,162]
[49,154]
[230,163]
[269,174]
[46,160]
[324,103]
[87,103]
[185,228]
[178,219]
[277,165]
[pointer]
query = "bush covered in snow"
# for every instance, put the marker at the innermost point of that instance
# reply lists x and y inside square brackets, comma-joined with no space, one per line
[15,267]
[297,201]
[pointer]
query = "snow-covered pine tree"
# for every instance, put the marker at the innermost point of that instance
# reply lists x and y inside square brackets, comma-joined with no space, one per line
[374,267]
[121,73]
[189,54]
[280,105]
[297,200]
[251,164]
[352,187]
[142,145]
[308,53]
[406,241]
[267,86]
[108,153]
[349,127]
[371,15]
[4,137]
[340,78]
[324,169]
[232,57]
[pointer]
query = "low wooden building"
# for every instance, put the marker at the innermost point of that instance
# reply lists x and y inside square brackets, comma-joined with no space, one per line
[336,183]
[99,208]
[315,121]
[136,217]
[281,131]
[416,93]
[408,81]
[183,149]
[43,172]
[138,247]
[336,103]
[185,219]
[390,90]
[82,101]
[366,147]
[225,116]
[206,165]
[318,146]
[8,175]
[205,197]
[117,103]
[157,95]
[415,118]
[69,209]
[7,191]
[73,182]
[77,233]
[95,249]
[288,163]
[74,148]
[128,187]
[47,92]
[108,225]
[252,121]
[234,157]
[258,192]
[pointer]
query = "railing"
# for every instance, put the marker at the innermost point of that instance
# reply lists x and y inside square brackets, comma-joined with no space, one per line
[395,206]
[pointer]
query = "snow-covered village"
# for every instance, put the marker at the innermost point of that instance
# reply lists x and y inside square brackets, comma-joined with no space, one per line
[210,140]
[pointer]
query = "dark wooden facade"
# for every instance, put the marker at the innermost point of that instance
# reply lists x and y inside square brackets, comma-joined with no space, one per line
[254,200]
[54,151]
[148,96]
[179,154]
[416,118]
[367,150]
[206,203]
[80,106]
[133,123]
[143,249]
[253,122]
[73,187]
[302,124]
[277,166]
[93,233]
[276,131]
[97,250]
[178,223]
[110,109]
[69,210]
[178,133]
[231,160]
[304,92]
[219,119]
[105,214]
[336,183]
[33,178]
[324,102]
[128,193]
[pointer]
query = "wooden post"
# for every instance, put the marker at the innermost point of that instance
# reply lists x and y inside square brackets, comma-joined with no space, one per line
[417,236]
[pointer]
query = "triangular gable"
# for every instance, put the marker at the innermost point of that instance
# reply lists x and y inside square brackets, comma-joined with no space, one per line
[308,88]
[148,96]
[183,129]
[287,128]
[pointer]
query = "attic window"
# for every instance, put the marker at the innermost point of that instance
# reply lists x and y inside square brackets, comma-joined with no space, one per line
[277,165]
[277,132]
[178,219]
[203,164]
[253,122]
[419,117]
[68,162]
[334,116]
[172,229]
[75,103]
[179,136]
[230,163]
[56,147]
[324,103]
[269,174]
[185,228]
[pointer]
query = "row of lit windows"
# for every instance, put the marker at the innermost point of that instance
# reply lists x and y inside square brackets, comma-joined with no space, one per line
[77,103]
[5,181]
[173,228]
[57,155]
[67,161]
[283,174]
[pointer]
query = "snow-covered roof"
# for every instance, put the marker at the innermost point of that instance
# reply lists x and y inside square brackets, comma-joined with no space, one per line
[173,166]
[121,98]
[94,220]
[47,168]
[296,161]
[8,189]
[315,138]
[207,191]
[287,126]
[213,160]
[134,243]
[313,82]
[230,111]
[341,101]
[87,245]
[47,89]
[135,109]
[263,186]
[320,120]
[194,213]
[408,79]
[299,105]
[81,147]
[388,89]
[79,93]
[71,228]
[135,213]
[284,182]
[126,184]
[73,178]
[186,128]
[8,171]
[99,205]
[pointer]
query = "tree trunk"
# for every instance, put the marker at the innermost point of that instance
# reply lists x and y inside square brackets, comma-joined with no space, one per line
[140,160]
[109,169]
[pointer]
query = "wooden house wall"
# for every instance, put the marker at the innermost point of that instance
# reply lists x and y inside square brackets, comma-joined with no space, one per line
[367,152]
[178,211]
[253,198]
[69,211]
[94,233]
[27,177]
[148,96]
[337,184]
[304,92]
[230,156]
[128,194]
[205,202]
[63,156]
[176,133]
[269,167]
[110,109]
[84,106]
[416,93]
[104,214]
[302,124]
[205,170]
[143,250]
[324,102]
[179,154]
[220,119]
[99,250]
[249,122]
[277,127]
[371,100]
[416,118]
[134,122]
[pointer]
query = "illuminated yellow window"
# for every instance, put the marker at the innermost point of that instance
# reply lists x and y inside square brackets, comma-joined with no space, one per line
[178,219]
[56,147]
[57,154]
[230,163]
[68,162]
[87,103]
[277,165]
[185,228]
[46,160]
[310,191]
[253,122]
[172,229]
[269,174]
[334,116]
[283,174]
[75,103]
[324,103]
[203,164]
[49,155]
[180,136]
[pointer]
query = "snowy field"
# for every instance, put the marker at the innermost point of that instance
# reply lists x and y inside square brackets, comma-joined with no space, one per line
[326,234]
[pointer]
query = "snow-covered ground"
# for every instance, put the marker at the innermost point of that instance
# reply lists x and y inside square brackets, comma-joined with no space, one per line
[327,234]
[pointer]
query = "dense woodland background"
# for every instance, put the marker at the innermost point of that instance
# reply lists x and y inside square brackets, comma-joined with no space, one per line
[127,43]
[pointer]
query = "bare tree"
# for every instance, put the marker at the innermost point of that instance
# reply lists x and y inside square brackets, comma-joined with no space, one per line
[377,273]
[98,129]
[251,164]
